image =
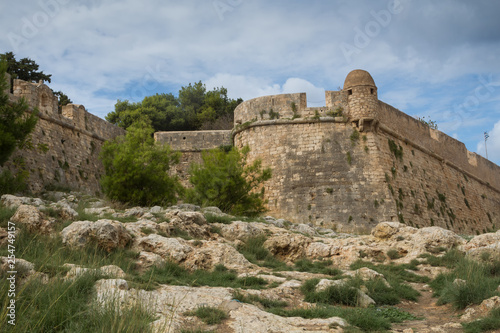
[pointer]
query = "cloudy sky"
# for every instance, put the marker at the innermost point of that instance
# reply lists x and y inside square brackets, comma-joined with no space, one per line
[433,59]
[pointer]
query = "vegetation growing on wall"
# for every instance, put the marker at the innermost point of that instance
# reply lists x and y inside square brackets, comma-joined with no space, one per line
[395,149]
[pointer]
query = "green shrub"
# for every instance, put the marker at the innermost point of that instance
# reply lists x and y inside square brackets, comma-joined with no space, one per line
[5,215]
[479,284]
[450,259]
[393,254]
[265,302]
[344,294]
[210,315]
[254,251]
[11,184]
[320,267]
[136,168]
[227,181]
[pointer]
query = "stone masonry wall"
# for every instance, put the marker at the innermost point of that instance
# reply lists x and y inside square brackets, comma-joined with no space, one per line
[400,170]
[191,144]
[320,175]
[73,137]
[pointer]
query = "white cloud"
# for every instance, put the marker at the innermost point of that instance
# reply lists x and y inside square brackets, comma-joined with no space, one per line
[248,87]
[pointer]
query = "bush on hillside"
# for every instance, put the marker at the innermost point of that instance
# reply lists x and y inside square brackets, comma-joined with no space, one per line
[227,181]
[136,168]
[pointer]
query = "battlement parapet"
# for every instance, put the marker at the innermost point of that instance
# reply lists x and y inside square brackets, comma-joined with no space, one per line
[72,138]
[194,141]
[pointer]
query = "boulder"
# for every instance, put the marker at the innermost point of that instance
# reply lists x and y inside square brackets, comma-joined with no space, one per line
[289,247]
[433,238]
[254,319]
[482,310]
[99,211]
[386,230]
[367,274]
[110,271]
[213,211]
[193,223]
[324,284]
[148,259]
[33,218]
[12,201]
[142,227]
[23,267]
[107,234]
[186,217]
[213,253]
[240,230]
[168,248]
[489,240]
[304,229]
[364,300]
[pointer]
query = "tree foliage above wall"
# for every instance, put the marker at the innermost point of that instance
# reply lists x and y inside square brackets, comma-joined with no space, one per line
[195,108]
[27,70]
[24,69]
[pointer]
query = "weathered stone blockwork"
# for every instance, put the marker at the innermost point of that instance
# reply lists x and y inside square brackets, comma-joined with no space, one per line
[73,137]
[373,164]
[191,144]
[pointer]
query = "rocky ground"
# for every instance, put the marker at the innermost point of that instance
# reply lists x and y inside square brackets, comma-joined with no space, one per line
[195,239]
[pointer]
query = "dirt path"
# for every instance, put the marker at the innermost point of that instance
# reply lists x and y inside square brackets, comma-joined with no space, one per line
[437,318]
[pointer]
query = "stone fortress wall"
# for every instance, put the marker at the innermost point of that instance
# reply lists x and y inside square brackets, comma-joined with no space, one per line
[348,165]
[72,135]
[191,144]
[358,161]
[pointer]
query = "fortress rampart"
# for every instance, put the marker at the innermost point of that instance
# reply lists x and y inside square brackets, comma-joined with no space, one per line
[358,161]
[66,142]
[191,144]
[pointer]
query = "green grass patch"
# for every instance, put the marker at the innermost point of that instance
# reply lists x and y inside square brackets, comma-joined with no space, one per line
[367,320]
[254,251]
[266,303]
[450,259]
[5,215]
[345,294]
[174,274]
[66,306]
[319,267]
[393,254]
[48,254]
[396,276]
[209,315]
[480,283]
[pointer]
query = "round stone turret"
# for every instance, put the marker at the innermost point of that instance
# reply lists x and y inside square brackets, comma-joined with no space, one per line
[362,97]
